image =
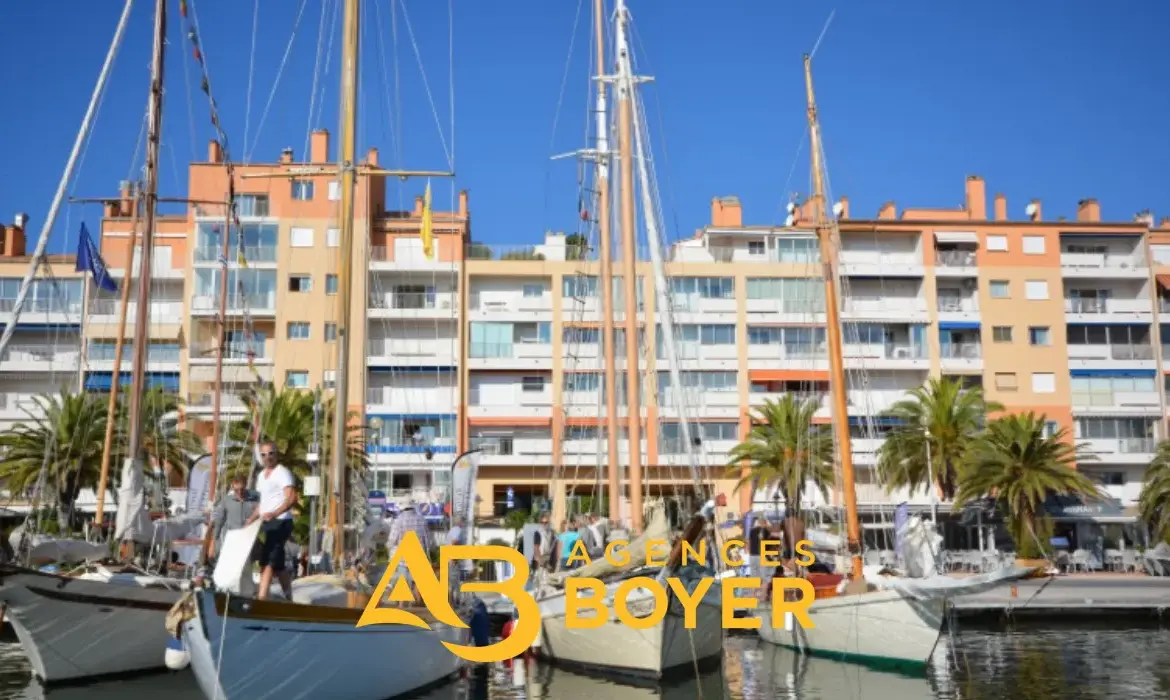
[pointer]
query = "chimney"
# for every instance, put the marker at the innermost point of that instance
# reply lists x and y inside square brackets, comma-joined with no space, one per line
[1000,207]
[14,238]
[463,208]
[214,152]
[372,157]
[844,202]
[1033,210]
[286,155]
[888,211]
[319,146]
[1165,223]
[418,206]
[1088,210]
[976,198]
[726,212]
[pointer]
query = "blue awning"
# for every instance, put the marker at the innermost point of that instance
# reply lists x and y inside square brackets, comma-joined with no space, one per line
[410,449]
[102,381]
[958,325]
[1114,373]
[43,327]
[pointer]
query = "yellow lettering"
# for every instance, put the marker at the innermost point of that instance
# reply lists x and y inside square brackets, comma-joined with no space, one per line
[621,603]
[579,553]
[432,592]
[725,554]
[616,553]
[651,547]
[575,602]
[690,600]
[804,555]
[770,553]
[732,602]
[700,554]
[798,608]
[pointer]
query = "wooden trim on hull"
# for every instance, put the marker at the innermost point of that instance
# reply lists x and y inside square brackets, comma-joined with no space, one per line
[285,611]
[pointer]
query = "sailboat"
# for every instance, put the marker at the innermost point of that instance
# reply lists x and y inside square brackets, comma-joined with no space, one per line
[243,648]
[870,618]
[669,645]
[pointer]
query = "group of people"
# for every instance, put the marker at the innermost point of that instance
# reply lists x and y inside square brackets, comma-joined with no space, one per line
[553,548]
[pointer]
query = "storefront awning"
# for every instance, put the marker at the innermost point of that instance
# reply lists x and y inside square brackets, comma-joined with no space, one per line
[1076,508]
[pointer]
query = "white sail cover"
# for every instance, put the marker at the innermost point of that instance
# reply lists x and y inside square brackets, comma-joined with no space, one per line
[658,529]
[44,549]
[133,521]
[464,472]
[919,542]
[937,586]
[233,570]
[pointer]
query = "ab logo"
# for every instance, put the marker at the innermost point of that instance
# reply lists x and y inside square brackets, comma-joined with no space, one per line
[432,592]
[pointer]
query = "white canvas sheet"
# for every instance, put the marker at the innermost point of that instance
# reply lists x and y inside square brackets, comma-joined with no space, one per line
[233,569]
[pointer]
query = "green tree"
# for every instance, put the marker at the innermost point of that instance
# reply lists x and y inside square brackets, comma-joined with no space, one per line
[784,447]
[942,417]
[1014,462]
[576,247]
[1154,502]
[169,447]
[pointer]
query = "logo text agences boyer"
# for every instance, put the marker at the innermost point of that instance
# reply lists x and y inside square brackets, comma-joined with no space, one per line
[432,590]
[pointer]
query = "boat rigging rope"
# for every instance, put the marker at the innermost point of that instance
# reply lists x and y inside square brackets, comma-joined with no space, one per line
[316,74]
[275,84]
[252,69]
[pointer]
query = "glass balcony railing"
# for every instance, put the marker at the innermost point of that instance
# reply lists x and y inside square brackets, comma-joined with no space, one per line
[252,253]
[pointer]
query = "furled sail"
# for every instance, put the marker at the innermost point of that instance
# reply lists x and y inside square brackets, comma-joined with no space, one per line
[133,521]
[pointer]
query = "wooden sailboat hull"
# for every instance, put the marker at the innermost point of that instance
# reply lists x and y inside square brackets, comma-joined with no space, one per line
[75,629]
[880,629]
[274,649]
[620,649]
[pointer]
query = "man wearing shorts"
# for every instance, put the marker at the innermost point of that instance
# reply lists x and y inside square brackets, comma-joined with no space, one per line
[278,494]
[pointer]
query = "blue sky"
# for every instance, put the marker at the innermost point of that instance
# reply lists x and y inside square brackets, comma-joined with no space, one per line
[1053,99]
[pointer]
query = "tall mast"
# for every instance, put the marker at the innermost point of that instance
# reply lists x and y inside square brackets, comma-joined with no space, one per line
[625,85]
[824,230]
[603,218]
[349,85]
[150,201]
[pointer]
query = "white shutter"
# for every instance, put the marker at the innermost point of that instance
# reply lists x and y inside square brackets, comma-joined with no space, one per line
[334,191]
[1033,245]
[1036,289]
[301,237]
[1043,383]
[997,243]
[333,237]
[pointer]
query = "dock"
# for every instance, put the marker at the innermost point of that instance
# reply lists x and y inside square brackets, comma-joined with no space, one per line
[1078,595]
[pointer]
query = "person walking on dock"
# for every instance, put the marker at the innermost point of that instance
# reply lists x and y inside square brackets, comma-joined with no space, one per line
[278,495]
[233,511]
[408,520]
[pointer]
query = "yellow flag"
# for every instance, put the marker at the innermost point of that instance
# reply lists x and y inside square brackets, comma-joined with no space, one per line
[428,235]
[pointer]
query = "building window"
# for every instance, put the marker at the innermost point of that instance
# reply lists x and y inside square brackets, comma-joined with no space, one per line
[532,384]
[301,237]
[755,247]
[298,330]
[334,191]
[296,379]
[1043,383]
[333,238]
[300,283]
[1000,289]
[533,291]
[252,205]
[1033,245]
[330,332]
[1005,381]
[1001,334]
[997,243]
[330,380]
[330,284]
[1039,335]
[1036,290]
[302,190]
[1051,428]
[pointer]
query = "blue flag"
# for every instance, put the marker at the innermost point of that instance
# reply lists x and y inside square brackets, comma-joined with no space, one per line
[88,258]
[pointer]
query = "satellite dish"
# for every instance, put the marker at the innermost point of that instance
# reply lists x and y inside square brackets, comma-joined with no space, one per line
[837,209]
[791,207]
[790,220]
[1030,210]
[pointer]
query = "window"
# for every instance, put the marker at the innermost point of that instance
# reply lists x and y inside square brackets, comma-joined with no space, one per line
[1036,290]
[532,384]
[1039,335]
[533,291]
[330,332]
[334,191]
[301,237]
[296,379]
[298,330]
[1033,245]
[330,379]
[755,247]
[330,284]
[302,190]
[1001,334]
[1051,428]
[300,283]
[252,205]
[1043,383]
[1000,289]
[1005,381]
[997,243]
[333,237]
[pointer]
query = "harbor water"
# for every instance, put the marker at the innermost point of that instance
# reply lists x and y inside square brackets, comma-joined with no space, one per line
[1024,661]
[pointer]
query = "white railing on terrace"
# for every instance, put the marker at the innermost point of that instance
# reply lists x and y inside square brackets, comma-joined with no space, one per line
[488,351]
[160,311]
[1108,306]
[960,351]
[1112,399]
[39,352]
[252,253]
[1117,261]
[872,257]
[105,353]
[413,301]
[888,351]
[884,304]
[955,306]
[43,306]
[227,401]
[1110,352]
[519,302]
[253,302]
[955,258]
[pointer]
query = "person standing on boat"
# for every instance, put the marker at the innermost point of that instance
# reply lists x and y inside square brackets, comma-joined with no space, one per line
[544,545]
[233,511]
[278,494]
[566,540]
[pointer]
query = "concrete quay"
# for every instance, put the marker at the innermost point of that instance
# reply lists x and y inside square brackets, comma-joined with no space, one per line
[1077,595]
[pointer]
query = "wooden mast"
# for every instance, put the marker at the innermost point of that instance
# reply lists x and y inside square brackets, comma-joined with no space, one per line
[115,375]
[824,231]
[601,161]
[625,84]
[347,167]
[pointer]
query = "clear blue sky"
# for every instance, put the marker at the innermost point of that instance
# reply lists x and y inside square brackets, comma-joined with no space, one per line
[1056,99]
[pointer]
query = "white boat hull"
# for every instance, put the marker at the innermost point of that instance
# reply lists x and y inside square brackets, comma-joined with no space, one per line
[74,629]
[618,648]
[883,629]
[254,658]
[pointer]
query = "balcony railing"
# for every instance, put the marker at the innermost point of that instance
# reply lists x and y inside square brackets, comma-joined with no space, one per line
[488,351]
[39,353]
[1077,351]
[955,258]
[251,302]
[1113,261]
[227,401]
[1106,306]
[43,306]
[234,350]
[105,353]
[252,253]
[955,306]
[1137,445]
[493,446]
[960,351]
[412,301]
[163,311]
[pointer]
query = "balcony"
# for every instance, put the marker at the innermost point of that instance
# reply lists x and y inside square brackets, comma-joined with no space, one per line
[432,397]
[203,404]
[886,308]
[254,255]
[1120,403]
[886,356]
[789,310]
[699,403]
[44,310]
[958,308]
[41,357]
[1110,356]
[19,406]
[868,263]
[1123,450]
[492,401]
[1083,310]
[501,355]
[407,254]
[515,450]
[406,352]
[509,307]
[797,355]
[158,359]
[958,357]
[821,398]
[709,307]
[865,450]
[696,356]
[955,263]
[254,304]
[206,351]
[1116,265]
[421,305]
[108,310]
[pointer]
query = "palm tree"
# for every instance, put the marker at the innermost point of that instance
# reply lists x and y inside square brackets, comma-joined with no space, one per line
[168,446]
[942,417]
[785,448]
[1014,462]
[1154,502]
